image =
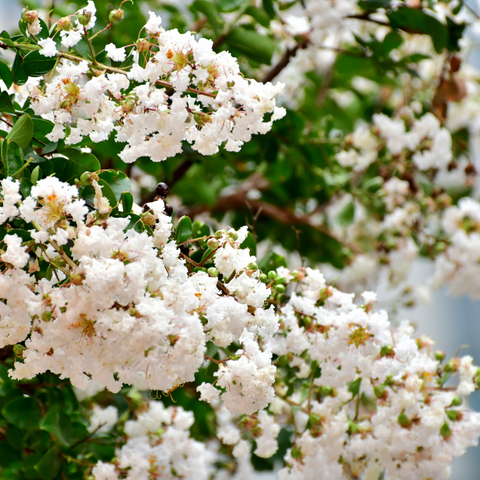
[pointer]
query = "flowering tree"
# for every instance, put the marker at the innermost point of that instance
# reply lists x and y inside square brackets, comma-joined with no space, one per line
[141,339]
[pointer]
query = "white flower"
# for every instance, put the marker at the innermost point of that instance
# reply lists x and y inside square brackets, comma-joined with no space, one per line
[116,54]
[49,48]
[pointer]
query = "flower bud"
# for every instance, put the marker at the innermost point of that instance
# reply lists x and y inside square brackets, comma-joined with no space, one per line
[280,288]
[445,431]
[65,24]
[29,16]
[213,244]
[453,414]
[272,275]
[233,235]
[387,351]
[456,402]
[143,45]
[213,272]
[440,355]
[84,17]
[263,278]
[403,420]
[115,15]
[280,281]
[252,266]
[219,234]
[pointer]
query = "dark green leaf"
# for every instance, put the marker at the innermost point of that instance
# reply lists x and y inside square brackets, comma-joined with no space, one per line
[6,104]
[102,452]
[22,131]
[259,14]
[255,46]
[346,215]
[271,261]
[127,202]
[118,181]
[250,243]
[229,5]
[59,425]
[18,72]
[354,387]
[12,157]
[208,9]
[8,455]
[35,64]
[6,74]
[49,465]
[78,162]
[25,186]
[23,412]
[414,20]
[184,230]
[269,8]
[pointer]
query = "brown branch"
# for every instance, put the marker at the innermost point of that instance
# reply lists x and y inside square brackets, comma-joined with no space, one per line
[284,61]
[238,200]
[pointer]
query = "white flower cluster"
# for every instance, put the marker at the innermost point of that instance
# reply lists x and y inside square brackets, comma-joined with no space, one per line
[459,264]
[158,445]
[211,102]
[377,407]
[131,311]
[428,142]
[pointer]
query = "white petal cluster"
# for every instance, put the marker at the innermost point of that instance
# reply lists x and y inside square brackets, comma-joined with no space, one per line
[459,265]
[158,445]
[132,312]
[211,104]
[377,405]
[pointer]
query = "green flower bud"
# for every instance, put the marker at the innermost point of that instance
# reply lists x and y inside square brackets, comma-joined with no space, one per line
[453,414]
[213,272]
[84,18]
[272,275]
[263,277]
[280,288]
[252,266]
[379,391]
[387,351]
[281,280]
[65,24]
[85,177]
[403,420]
[440,355]
[213,244]
[219,234]
[445,431]
[115,15]
[457,401]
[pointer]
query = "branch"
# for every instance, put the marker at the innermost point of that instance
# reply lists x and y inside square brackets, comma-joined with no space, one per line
[284,61]
[239,200]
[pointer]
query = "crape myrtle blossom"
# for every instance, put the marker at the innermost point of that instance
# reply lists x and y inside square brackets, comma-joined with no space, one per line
[130,294]
[159,445]
[211,104]
[122,307]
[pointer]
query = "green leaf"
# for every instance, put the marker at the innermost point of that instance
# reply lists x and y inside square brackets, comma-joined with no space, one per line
[22,131]
[19,75]
[414,20]
[118,182]
[250,243]
[49,465]
[354,387]
[12,157]
[127,202]
[35,64]
[77,162]
[255,46]
[23,412]
[259,14]
[103,452]
[269,8]
[6,75]
[25,186]
[6,104]
[208,9]
[34,176]
[88,193]
[184,230]
[346,215]
[59,425]
[8,455]
[271,261]
[229,5]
